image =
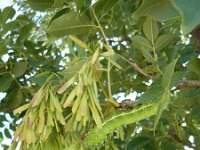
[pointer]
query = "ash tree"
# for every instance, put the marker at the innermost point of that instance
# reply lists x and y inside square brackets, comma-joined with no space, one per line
[64,64]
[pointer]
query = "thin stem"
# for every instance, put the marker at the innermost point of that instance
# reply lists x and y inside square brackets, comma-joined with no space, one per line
[109,68]
[188,83]
[99,25]
[108,76]
[155,55]
[109,87]
[136,67]
[153,48]
[58,77]
[104,92]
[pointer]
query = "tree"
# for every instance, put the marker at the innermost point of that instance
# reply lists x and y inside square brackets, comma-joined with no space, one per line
[68,60]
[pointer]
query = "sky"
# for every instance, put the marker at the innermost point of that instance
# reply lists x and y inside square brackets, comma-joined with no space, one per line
[4,3]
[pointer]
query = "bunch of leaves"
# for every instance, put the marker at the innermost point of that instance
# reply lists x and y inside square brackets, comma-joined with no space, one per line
[43,115]
[84,97]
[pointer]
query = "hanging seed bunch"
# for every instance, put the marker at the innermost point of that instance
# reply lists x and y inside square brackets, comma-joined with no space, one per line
[54,142]
[83,99]
[43,116]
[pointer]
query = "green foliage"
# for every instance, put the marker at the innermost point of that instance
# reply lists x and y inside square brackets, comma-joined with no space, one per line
[6,81]
[19,69]
[7,13]
[104,6]
[41,5]
[150,29]
[158,9]
[69,24]
[188,24]
[64,64]
[194,65]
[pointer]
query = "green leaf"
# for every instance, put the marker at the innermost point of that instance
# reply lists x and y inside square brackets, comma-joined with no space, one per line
[19,69]
[83,5]
[40,80]
[166,81]
[80,43]
[58,3]
[147,55]
[178,76]
[151,94]
[40,5]
[163,104]
[160,10]
[102,7]
[170,145]
[114,62]
[70,24]
[25,32]
[190,13]
[150,29]
[10,26]
[163,41]
[6,80]
[137,142]
[7,13]
[151,68]
[141,42]
[79,3]
[58,14]
[194,65]
[196,112]
[168,74]
[7,133]
[14,99]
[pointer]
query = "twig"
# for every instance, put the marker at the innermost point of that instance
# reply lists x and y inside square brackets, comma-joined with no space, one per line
[136,67]
[101,84]
[99,25]
[108,77]
[185,143]
[188,83]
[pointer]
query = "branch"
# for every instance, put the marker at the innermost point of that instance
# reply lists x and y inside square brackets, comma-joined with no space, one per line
[188,83]
[136,67]
[184,143]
